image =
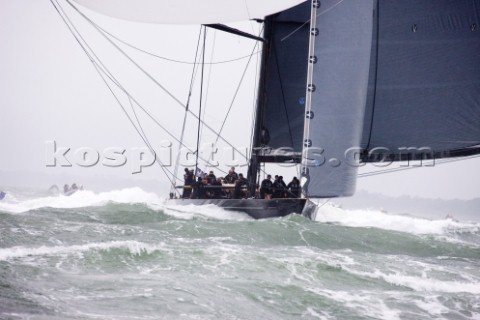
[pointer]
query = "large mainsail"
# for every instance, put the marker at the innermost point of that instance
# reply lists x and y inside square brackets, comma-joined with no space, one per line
[424,97]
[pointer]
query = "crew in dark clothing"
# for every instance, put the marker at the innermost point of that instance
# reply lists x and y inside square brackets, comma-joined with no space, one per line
[278,189]
[284,187]
[211,178]
[198,189]
[240,185]
[266,188]
[294,188]
[217,191]
[189,179]
[232,176]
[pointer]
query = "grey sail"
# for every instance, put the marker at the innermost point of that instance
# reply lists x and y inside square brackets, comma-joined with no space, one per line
[424,91]
[339,64]
[285,77]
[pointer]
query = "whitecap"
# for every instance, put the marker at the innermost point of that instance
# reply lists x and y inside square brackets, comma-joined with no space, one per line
[81,199]
[396,222]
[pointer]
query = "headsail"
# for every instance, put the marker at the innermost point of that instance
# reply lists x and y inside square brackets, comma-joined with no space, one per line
[339,61]
[188,11]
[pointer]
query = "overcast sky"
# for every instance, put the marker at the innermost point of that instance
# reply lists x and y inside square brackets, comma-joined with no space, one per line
[51,92]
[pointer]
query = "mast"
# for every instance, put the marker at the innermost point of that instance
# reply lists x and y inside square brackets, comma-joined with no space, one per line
[254,165]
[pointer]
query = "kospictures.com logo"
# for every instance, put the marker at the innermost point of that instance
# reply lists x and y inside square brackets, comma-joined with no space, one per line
[209,155]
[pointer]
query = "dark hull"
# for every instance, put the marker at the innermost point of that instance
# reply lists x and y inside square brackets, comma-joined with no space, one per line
[256,208]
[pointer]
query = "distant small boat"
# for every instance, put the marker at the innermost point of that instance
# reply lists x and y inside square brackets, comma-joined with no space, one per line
[70,192]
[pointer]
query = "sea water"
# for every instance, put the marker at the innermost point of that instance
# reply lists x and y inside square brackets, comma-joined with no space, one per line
[127,255]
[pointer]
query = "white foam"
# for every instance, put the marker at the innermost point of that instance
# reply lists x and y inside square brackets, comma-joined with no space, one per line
[362,301]
[81,199]
[395,222]
[128,196]
[134,247]
[423,284]
[192,211]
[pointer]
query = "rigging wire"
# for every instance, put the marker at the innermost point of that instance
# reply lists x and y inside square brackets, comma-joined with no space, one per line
[254,114]
[101,67]
[177,162]
[208,82]
[110,75]
[164,58]
[308,21]
[440,162]
[201,95]
[235,96]
[231,105]
[100,71]
[151,77]
[129,95]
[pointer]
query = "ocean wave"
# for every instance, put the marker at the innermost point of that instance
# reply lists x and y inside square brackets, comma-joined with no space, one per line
[209,211]
[128,196]
[80,199]
[134,247]
[395,222]
[422,283]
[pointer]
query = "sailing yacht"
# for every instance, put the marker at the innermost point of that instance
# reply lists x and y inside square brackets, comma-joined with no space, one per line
[343,83]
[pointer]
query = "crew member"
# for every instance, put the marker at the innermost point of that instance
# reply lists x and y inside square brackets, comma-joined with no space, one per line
[188,182]
[240,184]
[294,188]
[198,189]
[266,188]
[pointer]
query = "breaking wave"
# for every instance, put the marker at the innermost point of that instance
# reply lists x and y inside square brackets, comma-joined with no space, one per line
[80,199]
[328,213]
[395,222]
